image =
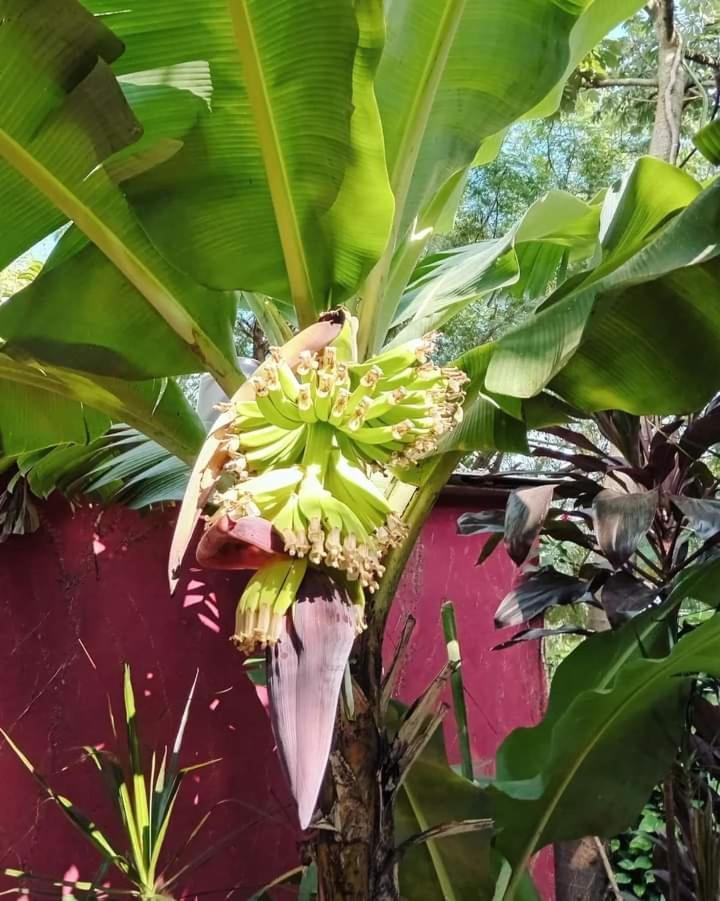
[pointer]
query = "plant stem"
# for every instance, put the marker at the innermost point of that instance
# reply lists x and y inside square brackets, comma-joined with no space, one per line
[609,873]
[458,689]
[420,506]
[441,873]
[317,445]
[649,563]
[273,324]
[711,542]
[673,858]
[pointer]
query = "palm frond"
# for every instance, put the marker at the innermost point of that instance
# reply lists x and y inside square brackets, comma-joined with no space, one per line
[122,466]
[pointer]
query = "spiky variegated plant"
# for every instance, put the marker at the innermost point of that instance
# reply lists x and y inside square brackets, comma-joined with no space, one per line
[143,801]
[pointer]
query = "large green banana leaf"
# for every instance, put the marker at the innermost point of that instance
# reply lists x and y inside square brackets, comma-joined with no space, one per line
[282,188]
[444,285]
[454,76]
[44,407]
[62,114]
[640,331]
[486,425]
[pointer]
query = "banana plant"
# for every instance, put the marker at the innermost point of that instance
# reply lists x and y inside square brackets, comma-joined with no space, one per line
[306,154]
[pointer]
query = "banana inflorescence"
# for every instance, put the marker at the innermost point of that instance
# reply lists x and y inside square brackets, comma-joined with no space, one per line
[301,453]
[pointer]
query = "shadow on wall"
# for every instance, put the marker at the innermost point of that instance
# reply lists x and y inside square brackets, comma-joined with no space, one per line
[80,597]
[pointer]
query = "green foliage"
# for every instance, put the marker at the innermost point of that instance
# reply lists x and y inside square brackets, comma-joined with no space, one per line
[631,853]
[46,110]
[301,156]
[596,340]
[449,867]
[120,466]
[614,718]
[554,231]
[626,109]
[196,183]
[596,135]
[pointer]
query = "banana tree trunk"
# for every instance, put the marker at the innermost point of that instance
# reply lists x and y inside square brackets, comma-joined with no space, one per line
[355,853]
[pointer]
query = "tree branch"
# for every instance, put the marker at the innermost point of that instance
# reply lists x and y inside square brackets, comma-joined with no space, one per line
[621,83]
[602,854]
[664,11]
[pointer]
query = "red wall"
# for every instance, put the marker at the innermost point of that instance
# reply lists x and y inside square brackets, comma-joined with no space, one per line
[95,582]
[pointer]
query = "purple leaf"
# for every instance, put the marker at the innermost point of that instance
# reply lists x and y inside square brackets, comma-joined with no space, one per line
[492,542]
[706,719]
[481,523]
[583,462]
[535,634]
[305,672]
[570,436]
[703,515]
[701,434]
[622,521]
[623,431]
[566,530]
[535,593]
[623,596]
[524,516]
[663,462]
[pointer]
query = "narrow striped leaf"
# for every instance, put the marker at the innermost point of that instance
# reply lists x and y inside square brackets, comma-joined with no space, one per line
[86,826]
[138,776]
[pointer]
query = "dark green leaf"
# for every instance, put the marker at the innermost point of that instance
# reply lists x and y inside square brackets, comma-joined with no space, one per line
[432,794]
[614,718]
[707,141]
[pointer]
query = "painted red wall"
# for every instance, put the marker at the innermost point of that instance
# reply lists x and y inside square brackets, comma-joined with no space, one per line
[89,591]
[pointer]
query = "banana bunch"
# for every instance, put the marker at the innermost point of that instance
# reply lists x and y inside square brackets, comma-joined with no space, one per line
[389,411]
[300,455]
[267,598]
